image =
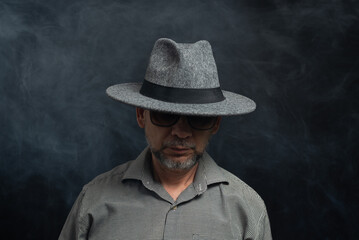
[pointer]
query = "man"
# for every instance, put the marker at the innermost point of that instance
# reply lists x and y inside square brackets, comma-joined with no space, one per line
[174,189]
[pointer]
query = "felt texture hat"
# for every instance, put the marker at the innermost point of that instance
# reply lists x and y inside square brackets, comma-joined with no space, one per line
[182,78]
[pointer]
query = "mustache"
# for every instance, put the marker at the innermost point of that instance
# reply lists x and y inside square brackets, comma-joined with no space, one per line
[178,142]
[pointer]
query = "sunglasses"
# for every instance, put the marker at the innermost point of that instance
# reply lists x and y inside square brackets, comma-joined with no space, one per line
[162,119]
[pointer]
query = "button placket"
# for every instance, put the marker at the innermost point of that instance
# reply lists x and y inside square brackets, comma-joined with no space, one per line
[171,222]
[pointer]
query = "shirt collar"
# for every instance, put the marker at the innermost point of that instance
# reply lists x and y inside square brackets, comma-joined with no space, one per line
[208,172]
[140,167]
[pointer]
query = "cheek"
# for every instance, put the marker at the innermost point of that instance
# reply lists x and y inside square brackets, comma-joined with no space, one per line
[155,136]
[202,141]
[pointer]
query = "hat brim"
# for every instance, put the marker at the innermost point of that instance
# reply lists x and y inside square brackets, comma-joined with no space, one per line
[234,104]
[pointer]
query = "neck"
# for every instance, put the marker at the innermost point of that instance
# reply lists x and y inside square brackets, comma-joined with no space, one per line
[173,180]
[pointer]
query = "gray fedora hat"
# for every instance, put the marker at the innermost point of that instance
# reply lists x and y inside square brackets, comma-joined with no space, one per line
[182,78]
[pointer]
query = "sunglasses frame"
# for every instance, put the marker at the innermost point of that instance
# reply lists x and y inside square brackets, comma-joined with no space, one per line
[188,121]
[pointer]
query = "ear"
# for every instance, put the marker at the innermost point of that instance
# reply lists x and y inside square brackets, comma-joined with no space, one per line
[140,115]
[216,126]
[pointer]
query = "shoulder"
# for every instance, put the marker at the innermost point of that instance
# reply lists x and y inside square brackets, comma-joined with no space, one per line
[242,193]
[247,206]
[104,187]
[232,188]
[109,178]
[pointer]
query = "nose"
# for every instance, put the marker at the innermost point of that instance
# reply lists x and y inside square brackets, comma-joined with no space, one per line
[182,129]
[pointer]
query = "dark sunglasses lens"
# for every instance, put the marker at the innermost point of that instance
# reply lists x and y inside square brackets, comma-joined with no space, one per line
[163,119]
[202,123]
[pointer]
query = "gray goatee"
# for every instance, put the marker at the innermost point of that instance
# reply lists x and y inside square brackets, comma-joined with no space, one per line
[171,164]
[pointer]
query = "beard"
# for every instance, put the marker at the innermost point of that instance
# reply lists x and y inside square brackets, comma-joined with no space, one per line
[172,164]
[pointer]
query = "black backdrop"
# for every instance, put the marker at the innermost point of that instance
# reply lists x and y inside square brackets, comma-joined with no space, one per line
[297,59]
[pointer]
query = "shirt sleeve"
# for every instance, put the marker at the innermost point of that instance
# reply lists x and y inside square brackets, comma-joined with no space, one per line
[264,231]
[77,224]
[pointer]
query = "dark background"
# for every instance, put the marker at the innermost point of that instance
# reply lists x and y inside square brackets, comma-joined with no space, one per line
[297,59]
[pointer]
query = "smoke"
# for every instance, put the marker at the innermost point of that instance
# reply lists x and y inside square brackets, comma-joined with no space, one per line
[296,59]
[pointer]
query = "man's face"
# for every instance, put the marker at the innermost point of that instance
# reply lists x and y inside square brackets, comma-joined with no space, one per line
[178,146]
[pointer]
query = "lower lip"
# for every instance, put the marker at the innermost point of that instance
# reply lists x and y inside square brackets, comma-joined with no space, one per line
[179,150]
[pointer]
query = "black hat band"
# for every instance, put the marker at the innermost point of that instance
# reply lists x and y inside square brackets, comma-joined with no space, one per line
[181,95]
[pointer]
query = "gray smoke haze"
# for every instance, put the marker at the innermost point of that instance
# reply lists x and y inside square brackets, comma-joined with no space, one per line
[298,60]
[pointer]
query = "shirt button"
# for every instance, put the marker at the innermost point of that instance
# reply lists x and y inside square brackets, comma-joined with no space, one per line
[174,208]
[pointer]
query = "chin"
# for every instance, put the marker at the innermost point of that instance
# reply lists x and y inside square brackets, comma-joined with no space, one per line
[178,163]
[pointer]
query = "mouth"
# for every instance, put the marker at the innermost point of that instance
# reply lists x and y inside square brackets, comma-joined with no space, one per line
[179,150]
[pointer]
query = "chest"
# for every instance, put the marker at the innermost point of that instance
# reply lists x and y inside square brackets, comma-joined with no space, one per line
[206,216]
